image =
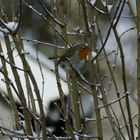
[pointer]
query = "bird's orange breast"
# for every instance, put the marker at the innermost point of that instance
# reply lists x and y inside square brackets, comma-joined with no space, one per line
[84,52]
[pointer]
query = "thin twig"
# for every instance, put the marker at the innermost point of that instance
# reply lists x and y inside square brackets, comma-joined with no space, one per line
[47,11]
[108,33]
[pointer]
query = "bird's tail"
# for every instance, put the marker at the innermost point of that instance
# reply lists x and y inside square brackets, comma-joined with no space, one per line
[54,57]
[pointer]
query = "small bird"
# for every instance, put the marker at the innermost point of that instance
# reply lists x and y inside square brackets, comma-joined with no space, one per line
[77,55]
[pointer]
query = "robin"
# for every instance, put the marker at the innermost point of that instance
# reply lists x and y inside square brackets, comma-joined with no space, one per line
[76,55]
